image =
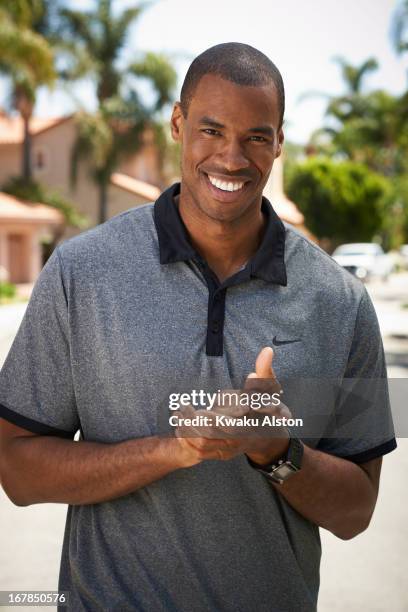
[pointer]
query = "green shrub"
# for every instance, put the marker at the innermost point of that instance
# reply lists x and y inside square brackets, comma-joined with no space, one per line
[342,201]
[7,290]
[36,192]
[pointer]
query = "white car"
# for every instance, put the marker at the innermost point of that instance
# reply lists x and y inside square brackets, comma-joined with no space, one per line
[366,260]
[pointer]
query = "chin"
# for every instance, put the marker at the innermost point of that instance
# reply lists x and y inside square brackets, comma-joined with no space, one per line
[207,205]
[218,211]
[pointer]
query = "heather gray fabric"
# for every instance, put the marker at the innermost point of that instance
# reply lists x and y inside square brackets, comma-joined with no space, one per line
[108,333]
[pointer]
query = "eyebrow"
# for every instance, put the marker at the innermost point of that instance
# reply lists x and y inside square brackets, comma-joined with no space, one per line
[262,129]
[212,122]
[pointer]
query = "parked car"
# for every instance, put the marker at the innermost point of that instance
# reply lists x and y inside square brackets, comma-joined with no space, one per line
[366,260]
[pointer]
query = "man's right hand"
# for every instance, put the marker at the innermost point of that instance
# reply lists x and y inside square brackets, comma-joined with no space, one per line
[197,449]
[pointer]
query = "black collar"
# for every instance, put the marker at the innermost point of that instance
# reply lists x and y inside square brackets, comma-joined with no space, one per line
[268,262]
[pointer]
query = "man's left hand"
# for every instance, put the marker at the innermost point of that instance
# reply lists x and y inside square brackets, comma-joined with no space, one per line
[260,445]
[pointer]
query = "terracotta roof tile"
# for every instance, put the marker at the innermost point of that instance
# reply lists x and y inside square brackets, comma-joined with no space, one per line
[140,188]
[12,128]
[14,210]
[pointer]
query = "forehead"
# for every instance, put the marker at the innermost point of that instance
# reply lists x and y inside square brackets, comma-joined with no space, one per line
[228,102]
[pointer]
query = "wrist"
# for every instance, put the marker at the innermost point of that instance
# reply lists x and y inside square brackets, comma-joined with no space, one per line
[278,451]
[183,454]
[278,471]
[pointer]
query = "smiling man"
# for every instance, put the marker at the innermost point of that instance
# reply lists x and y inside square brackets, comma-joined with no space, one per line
[231,132]
[187,295]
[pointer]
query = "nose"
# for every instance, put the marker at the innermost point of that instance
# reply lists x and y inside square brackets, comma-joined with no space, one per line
[232,156]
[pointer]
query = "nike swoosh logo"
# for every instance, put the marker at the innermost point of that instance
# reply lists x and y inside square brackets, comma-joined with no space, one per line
[277,342]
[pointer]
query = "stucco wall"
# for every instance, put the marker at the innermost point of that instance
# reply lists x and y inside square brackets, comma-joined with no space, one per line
[55,146]
[10,161]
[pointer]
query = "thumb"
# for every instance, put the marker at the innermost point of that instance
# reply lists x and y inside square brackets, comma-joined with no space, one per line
[263,364]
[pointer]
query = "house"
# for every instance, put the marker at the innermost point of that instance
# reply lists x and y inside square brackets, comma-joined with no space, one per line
[22,227]
[52,142]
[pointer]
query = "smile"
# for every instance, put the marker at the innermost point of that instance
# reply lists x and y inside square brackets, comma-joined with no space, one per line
[224,185]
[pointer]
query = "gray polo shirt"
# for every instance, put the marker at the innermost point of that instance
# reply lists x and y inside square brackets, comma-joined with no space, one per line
[125,313]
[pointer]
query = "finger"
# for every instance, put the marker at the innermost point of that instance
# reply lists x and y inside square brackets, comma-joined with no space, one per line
[265,385]
[250,381]
[263,364]
[264,368]
[186,411]
[212,445]
[203,427]
[229,401]
[284,411]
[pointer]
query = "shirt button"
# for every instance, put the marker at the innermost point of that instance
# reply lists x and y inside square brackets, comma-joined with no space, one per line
[215,327]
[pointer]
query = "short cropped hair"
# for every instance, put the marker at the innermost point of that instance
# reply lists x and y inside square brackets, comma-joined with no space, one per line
[235,62]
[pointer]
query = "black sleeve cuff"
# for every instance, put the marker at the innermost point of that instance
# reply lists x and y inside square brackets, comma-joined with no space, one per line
[372,453]
[34,426]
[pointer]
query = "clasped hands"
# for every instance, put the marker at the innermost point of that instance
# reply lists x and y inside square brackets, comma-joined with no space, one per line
[224,441]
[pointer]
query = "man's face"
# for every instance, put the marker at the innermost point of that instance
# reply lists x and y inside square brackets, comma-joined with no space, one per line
[229,139]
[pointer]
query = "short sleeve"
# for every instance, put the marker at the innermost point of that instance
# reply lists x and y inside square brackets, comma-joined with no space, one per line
[36,386]
[362,427]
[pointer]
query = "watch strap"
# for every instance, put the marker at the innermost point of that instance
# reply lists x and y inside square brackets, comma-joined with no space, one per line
[291,462]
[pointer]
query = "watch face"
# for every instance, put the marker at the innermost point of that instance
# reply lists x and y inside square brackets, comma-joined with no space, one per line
[284,470]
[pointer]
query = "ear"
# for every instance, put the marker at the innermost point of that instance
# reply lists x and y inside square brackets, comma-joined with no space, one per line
[176,123]
[281,138]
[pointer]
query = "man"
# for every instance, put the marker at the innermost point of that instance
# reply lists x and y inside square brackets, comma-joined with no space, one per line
[188,293]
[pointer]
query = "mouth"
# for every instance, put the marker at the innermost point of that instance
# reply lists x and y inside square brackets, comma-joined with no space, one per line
[225,189]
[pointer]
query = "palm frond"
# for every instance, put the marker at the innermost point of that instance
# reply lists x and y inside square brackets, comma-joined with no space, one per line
[78,24]
[353,76]
[93,143]
[24,50]
[157,68]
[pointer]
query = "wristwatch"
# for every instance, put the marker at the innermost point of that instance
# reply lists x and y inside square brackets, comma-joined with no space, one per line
[279,471]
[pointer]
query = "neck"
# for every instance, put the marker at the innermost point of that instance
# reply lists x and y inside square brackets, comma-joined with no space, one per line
[225,245]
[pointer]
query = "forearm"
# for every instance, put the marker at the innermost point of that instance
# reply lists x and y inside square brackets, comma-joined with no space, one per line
[334,493]
[40,469]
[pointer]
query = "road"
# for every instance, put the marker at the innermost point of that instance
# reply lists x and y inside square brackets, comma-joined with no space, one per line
[367,573]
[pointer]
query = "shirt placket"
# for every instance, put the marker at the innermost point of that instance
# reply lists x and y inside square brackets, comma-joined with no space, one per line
[216,311]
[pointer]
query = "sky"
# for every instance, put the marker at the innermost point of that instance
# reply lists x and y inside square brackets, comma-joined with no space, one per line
[301,38]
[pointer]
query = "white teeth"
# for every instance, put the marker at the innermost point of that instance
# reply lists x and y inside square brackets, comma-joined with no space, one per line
[224,185]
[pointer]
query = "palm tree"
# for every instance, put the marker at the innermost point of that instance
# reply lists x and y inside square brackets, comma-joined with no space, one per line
[27,60]
[352,103]
[349,113]
[399,28]
[353,76]
[94,41]
[104,138]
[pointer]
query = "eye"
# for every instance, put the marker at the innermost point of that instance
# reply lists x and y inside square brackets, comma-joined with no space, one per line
[211,131]
[257,139]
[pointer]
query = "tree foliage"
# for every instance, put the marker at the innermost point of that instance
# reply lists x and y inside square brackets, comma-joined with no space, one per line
[43,42]
[369,129]
[341,201]
[92,46]
[26,56]
[27,59]
[34,191]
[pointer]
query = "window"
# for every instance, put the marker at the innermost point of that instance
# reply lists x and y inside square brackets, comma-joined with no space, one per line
[40,159]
